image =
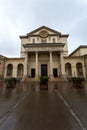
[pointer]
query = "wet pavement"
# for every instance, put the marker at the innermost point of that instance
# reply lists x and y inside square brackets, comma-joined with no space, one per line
[26,107]
[76,98]
[9,97]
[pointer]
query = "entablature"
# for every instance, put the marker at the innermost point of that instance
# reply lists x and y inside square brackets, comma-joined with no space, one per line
[44,47]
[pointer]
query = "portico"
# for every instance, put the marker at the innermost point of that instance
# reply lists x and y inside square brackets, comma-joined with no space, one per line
[44,61]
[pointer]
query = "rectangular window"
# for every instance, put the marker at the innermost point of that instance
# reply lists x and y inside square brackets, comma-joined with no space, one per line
[43,41]
[33,41]
[53,40]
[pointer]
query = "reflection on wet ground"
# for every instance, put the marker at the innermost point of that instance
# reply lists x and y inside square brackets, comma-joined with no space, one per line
[42,109]
[76,98]
[10,96]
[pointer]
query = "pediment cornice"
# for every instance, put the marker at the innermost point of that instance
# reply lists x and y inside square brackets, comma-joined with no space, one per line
[44,28]
[38,31]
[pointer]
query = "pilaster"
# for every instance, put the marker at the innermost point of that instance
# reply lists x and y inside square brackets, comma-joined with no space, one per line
[51,70]
[62,64]
[25,66]
[36,64]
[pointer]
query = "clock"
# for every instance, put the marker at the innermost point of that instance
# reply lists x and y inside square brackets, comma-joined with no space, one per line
[43,34]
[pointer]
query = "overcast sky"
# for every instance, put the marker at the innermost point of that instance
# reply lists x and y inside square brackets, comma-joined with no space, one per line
[19,17]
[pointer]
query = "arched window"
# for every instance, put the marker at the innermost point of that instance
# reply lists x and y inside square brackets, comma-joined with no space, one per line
[20,70]
[9,70]
[79,69]
[68,69]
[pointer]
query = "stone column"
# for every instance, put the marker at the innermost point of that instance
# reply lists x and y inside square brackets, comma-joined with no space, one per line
[5,72]
[51,70]
[14,71]
[25,64]
[62,64]
[36,64]
[74,71]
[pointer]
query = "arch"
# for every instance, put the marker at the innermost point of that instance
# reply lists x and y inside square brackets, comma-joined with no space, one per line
[79,69]
[20,70]
[9,70]
[68,69]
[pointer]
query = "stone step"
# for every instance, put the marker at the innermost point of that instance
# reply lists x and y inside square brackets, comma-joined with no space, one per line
[50,79]
[31,79]
[56,79]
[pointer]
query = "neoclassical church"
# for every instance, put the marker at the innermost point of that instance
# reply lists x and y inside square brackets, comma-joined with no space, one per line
[44,52]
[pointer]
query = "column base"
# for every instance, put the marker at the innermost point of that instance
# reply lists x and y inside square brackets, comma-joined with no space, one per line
[37,77]
[63,76]
[24,78]
[51,77]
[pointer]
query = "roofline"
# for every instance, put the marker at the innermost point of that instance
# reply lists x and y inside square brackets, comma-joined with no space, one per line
[3,56]
[42,28]
[81,46]
[64,35]
[15,58]
[23,36]
[26,36]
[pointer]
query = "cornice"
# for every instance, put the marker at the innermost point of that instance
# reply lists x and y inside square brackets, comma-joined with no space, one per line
[23,36]
[16,58]
[44,27]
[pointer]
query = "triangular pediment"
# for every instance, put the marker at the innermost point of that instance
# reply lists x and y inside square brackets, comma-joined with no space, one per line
[43,28]
[43,32]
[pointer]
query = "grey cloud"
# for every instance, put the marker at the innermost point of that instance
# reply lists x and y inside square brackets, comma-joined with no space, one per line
[79,30]
[21,17]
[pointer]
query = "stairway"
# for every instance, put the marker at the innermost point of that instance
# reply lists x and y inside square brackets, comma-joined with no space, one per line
[31,79]
[36,79]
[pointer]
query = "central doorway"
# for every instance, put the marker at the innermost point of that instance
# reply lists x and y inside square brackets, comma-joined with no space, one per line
[44,70]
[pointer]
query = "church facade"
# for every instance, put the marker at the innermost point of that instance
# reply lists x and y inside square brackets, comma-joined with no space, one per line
[44,52]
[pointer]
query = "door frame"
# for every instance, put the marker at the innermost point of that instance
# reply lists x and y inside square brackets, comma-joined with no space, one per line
[41,68]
